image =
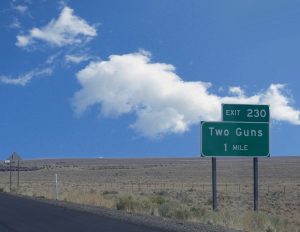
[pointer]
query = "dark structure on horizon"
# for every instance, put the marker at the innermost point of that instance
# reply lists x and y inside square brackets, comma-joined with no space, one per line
[14,157]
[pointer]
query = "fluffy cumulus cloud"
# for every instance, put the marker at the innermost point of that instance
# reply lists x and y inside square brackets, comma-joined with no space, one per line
[162,102]
[67,29]
[24,79]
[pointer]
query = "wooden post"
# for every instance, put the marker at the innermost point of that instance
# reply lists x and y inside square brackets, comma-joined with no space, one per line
[56,186]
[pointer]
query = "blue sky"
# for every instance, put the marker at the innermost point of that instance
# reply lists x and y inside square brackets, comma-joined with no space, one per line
[135,78]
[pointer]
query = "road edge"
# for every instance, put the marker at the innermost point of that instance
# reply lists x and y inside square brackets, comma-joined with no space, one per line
[156,222]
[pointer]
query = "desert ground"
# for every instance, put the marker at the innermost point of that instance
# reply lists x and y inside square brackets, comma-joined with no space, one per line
[170,187]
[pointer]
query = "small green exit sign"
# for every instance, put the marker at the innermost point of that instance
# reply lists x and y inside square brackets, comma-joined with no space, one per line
[245,113]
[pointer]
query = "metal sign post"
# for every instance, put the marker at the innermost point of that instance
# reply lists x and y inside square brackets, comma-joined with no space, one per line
[10,176]
[18,174]
[255,183]
[214,183]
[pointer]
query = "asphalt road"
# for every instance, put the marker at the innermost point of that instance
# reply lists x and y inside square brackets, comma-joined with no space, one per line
[25,215]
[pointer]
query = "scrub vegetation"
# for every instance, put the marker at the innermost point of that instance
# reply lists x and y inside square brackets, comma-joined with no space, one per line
[247,220]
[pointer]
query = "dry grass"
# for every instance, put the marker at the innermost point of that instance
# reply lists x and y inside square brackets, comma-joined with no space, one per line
[178,188]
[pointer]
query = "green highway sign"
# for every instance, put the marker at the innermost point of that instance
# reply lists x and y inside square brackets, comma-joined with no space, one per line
[234,139]
[245,113]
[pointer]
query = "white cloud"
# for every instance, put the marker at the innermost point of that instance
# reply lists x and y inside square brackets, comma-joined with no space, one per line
[162,101]
[15,24]
[23,41]
[21,8]
[76,58]
[68,29]
[236,90]
[53,58]
[26,78]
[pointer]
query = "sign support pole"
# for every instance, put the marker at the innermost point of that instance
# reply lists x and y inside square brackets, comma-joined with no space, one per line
[10,176]
[18,174]
[255,183]
[214,183]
